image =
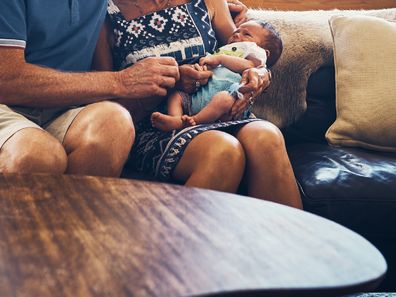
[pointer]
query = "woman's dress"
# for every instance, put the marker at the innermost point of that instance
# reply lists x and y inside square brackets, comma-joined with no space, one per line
[185,33]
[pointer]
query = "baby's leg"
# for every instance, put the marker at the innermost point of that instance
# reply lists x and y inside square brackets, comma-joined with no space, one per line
[175,104]
[174,120]
[219,106]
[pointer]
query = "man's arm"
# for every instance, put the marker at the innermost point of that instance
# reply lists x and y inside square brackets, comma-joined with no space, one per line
[30,85]
[25,84]
[235,64]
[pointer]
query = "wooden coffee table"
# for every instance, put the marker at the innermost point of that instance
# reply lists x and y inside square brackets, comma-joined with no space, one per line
[87,236]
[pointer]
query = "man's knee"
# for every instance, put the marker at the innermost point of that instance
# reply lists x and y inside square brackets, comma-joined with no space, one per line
[34,153]
[124,124]
[116,114]
[49,159]
[102,132]
[105,125]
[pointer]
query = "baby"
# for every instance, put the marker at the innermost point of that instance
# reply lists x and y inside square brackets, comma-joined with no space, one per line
[255,43]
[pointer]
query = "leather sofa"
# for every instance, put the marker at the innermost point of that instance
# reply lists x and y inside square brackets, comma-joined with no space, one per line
[351,186]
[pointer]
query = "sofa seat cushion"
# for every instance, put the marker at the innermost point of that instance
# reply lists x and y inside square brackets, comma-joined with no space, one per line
[354,187]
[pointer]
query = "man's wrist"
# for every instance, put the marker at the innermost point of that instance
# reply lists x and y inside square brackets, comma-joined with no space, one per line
[118,88]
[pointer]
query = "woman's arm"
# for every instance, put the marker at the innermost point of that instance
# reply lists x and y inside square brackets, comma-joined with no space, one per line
[224,26]
[103,60]
[238,11]
[221,19]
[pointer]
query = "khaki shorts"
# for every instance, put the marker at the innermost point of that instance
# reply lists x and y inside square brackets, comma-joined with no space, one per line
[55,121]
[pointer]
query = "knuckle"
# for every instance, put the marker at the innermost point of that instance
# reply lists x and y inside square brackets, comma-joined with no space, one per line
[152,87]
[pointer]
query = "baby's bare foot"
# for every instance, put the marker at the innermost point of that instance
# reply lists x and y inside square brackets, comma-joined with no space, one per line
[188,121]
[166,122]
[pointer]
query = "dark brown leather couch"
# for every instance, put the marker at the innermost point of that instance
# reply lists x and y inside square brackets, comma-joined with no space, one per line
[351,186]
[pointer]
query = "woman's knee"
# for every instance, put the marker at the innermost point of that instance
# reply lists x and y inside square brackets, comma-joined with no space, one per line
[222,149]
[261,136]
[213,160]
[213,153]
[36,152]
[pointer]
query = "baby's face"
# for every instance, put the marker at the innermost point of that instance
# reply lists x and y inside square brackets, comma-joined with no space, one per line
[249,31]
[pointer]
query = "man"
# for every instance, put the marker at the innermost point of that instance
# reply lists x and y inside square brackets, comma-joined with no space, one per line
[55,116]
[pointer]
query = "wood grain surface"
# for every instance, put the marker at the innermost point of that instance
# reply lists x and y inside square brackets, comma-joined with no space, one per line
[320,4]
[86,236]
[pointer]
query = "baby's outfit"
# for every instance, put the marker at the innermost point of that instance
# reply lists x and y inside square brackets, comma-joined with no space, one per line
[224,79]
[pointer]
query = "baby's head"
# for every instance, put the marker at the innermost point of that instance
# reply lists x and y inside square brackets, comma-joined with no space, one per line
[264,35]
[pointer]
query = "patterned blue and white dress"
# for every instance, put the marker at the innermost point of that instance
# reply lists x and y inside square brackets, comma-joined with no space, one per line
[185,33]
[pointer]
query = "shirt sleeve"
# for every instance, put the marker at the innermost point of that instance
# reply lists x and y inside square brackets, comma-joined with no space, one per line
[13,23]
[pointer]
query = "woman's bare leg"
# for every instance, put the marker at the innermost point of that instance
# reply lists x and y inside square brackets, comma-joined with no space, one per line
[269,173]
[213,160]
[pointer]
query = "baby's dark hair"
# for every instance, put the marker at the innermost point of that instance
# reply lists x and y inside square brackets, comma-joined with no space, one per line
[273,41]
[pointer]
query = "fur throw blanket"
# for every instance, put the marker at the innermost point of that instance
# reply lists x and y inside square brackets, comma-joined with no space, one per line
[308,46]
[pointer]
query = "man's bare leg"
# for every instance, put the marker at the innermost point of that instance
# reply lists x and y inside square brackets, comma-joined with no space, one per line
[32,150]
[99,140]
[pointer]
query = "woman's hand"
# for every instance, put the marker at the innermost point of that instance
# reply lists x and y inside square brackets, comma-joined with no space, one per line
[238,11]
[192,77]
[254,82]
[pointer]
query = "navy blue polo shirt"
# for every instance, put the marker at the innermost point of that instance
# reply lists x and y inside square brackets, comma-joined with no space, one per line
[59,34]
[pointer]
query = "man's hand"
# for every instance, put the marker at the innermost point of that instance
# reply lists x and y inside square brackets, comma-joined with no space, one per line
[192,77]
[254,82]
[149,77]
[238,11]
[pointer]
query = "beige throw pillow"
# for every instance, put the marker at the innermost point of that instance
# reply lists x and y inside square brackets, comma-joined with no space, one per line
[365,61]
[308,46]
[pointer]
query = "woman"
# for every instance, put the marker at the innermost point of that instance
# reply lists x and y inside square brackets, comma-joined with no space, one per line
[215,156]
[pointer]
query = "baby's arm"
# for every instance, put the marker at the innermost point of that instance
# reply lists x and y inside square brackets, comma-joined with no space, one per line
[235,64]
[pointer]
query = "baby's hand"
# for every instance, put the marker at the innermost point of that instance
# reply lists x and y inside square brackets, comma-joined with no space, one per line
[212,61]
[198,67]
